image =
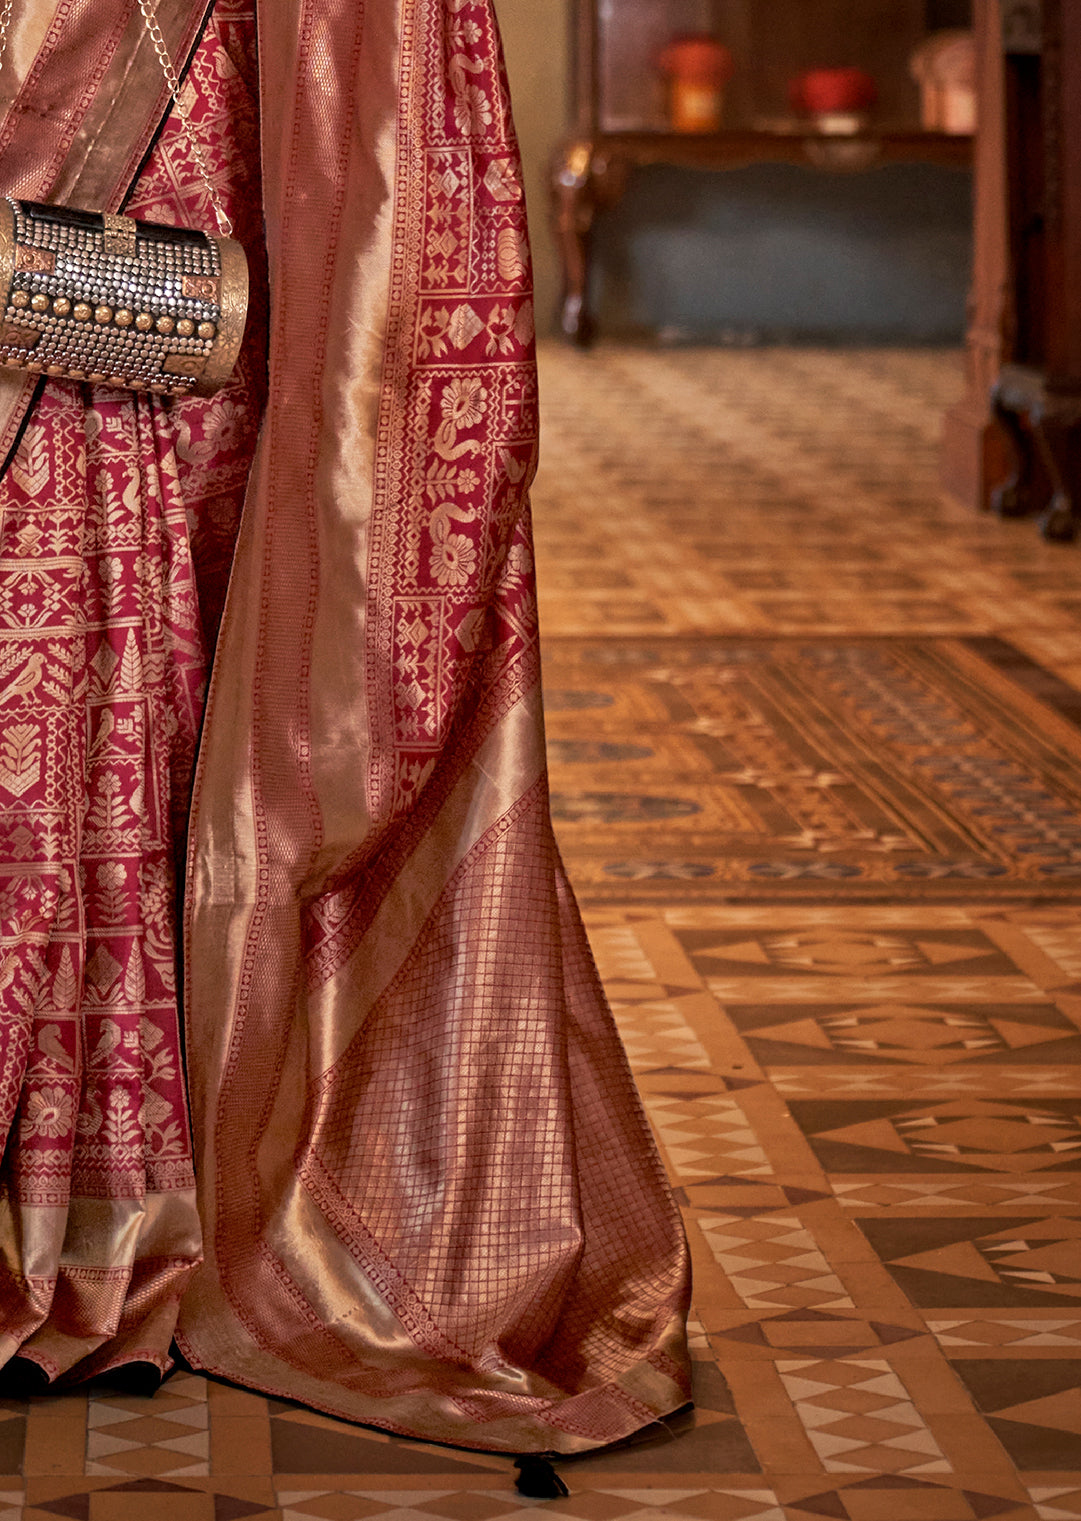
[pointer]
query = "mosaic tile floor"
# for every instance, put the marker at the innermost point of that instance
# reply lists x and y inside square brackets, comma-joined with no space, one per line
[816,745]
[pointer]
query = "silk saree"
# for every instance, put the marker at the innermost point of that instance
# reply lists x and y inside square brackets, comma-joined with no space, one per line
[418,1190]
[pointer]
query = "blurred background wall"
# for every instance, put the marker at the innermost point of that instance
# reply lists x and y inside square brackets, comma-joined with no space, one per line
[536,37]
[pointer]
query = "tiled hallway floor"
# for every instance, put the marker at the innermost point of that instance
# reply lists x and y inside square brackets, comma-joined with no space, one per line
[816,744]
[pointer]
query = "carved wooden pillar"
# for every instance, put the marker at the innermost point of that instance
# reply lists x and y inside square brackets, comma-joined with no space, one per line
[1024,339]
[974,457]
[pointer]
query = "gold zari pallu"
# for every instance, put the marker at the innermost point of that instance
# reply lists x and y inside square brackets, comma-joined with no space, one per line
[107,299]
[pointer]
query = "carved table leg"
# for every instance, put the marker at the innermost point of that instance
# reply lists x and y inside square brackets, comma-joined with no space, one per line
[1051,441]
[1016,496]
[1057,440]
[584,179]
[573,208]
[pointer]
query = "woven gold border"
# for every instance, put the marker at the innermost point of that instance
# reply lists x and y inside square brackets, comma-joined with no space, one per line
[234,316]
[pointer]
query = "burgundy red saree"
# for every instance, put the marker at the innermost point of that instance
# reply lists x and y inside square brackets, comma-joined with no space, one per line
[427,1197]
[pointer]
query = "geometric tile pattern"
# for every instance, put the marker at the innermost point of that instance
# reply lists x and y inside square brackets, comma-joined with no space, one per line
[707,1134]
[657,1032]
[122,1438]
[859,1417]
[877,1135]
[975,1334]
[815,742]
[1034,1410]
[1056,1502]
[434,1505]
[773,1261]
[919,1035]
[967,1260]
[935,1194]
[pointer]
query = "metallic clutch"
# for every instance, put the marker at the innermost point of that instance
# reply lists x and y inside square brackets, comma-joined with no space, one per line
[107,299]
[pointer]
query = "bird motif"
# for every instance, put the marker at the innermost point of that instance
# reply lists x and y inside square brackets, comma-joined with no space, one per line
[104,734]
[515,468]
[27,679]
[108,1041]
[49,1044]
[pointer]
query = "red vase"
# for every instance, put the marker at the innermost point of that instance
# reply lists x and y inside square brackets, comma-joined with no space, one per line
[698,68]
[821,92]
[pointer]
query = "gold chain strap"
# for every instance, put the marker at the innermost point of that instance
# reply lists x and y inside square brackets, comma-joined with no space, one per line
[172,84]
[5,22]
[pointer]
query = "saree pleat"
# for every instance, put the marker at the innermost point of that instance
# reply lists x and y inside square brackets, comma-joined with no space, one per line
[98,736]
[102,672]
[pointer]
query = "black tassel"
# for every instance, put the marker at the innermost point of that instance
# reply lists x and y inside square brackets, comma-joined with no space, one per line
[538,1479]
[21,1377]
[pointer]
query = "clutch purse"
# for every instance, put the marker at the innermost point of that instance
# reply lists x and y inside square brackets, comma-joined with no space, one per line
[118,302]
[107,299]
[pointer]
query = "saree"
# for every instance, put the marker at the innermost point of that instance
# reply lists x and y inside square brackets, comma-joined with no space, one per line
[424,1193]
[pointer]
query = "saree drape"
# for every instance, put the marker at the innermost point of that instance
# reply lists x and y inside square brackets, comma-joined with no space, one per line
[428,1195]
